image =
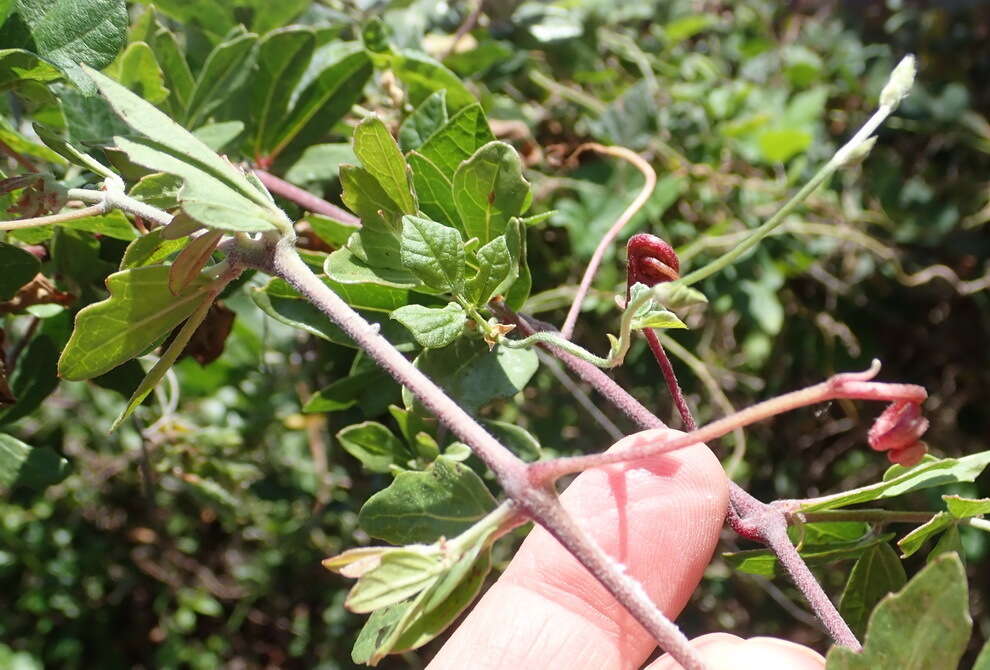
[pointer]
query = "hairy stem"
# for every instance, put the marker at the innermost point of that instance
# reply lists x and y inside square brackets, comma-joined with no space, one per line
[61,217]
[596,258]
[699,368]
[846,385]
[761,522]
[120,200]
[279,258]
[687,419]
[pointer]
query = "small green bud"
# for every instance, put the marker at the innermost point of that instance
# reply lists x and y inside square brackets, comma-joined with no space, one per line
[856,154]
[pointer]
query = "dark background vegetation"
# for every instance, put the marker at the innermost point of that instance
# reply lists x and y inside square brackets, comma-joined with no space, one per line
[201,548]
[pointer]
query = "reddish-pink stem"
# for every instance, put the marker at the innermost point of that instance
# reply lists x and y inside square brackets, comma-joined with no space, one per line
[596,258]
[304,198]
[848,385]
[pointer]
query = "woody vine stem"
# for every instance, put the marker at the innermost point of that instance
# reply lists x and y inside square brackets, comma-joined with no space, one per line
[531,487]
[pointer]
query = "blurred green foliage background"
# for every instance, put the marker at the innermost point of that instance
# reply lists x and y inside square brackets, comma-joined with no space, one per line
[201,547]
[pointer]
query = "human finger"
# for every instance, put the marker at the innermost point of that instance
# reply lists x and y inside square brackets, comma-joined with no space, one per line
[722,651]
[658,517]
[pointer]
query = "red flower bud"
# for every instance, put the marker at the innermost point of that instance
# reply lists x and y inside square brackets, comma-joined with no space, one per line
[900,426]
[651,260]
[908,456]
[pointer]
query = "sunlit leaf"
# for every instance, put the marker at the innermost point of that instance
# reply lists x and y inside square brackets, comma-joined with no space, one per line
[925,626]
[444,500]
[139,312]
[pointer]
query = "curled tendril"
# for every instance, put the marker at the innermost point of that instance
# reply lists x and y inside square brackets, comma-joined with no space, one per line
[898,432]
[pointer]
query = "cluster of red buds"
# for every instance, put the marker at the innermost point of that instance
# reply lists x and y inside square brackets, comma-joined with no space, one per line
[898,431]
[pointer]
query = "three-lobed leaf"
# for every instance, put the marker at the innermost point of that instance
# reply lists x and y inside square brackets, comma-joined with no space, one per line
[139,312]
[215,193]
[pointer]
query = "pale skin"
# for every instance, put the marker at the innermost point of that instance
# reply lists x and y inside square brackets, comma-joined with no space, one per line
[659,517]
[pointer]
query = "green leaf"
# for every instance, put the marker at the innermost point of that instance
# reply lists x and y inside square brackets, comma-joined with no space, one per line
[375,630]
[138,70]
[434,253]
[215,193]
[335,233]
[434,191]
[283,56]
[488,190]
[983,660]
[519,440]
[498,267]
[304,316]
[345,393]
[518,293]
[763,562]
[949,542]
[226,69]
[380,216]
[422,506]
[35,376]
[380,156]
[428,117]
[139,312]
[217,136]
[899,480]
[167,359]
[432,327]
[779,146]
[374,445]
[914,540]
[472,374]
[962,508]
[876,573]
[465,133]
[925,626]
[207,200]
[70,152]
[150,249]
[18,65]
[344,267]
[320,163]
[333,83]
[424,76]
[371,297]
[69,32]
[444,601]
[212,16]
[178,76]
[657,318]
[31,467]
[113,224]
[19,267]
[400,574]
[158,189]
